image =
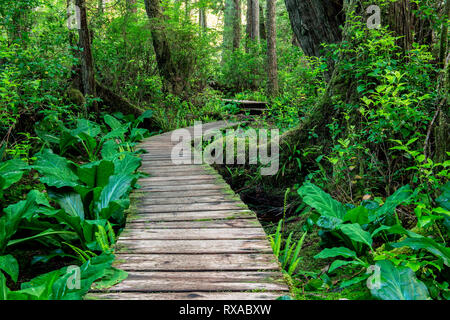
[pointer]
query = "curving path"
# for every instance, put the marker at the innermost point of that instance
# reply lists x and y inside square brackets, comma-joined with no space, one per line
[191,237]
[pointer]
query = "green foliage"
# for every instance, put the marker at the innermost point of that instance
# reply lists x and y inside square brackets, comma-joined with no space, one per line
[398,283]
[289,256]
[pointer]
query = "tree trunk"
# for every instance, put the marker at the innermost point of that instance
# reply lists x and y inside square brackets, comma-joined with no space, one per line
[315,22]
[340,87]
[262,24]
[444,35]
[272,48]
[173,82]
[87,62]
[255,36]
[202,20]
[443,128]
[236,24]
[248,27]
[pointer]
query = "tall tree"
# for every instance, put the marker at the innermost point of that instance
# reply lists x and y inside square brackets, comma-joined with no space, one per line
[249,18]
[272,65]
[315,22]
[203,19]
[262,24]
[255,21]
[173,80]
[87,61]
[236,24]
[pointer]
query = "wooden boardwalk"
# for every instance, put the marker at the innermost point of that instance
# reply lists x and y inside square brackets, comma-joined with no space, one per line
[191,237]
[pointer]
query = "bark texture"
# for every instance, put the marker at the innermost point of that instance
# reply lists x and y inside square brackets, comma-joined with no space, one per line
[255,21]
[236,24]
[272,65]
[174,82]
[87,61]
[315,22]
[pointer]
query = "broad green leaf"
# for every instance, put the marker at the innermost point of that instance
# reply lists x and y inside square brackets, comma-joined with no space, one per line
[397,283]
[356,233]
[335,252]
[128,165]
[12,171]
[96,174]
[112,122]
[87,127]
[397,198]
[428,244]
[9,265]
[56,171]
[355,280]
[116,188]
[9,223]
[4,290]
[321,201]
[110,150]
[70,202]
[358,215]
[340,263]
[112,277]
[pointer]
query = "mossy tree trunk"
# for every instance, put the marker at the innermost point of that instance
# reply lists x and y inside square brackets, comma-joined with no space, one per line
[174,81]
[87,61]
[272,64]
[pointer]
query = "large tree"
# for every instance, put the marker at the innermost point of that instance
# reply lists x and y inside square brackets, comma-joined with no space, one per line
[272,65]
[87,61]
[174,81]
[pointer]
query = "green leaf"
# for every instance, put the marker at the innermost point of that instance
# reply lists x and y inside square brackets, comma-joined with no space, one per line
[56,171]
[9,265]
[9,223]
[397,283]
[117,187]
[4,290]
[397,198]
[96,174]
[428,244]
[112,122]
[112,277]
[358,215]
[128,165]
[321,201]
[11,171]
[335,252]
[110,150]
[70,202]
[340,263]
[87,127]
[356,233]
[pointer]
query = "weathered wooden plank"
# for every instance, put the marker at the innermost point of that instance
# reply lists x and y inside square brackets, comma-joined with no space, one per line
[192,216]
[203,224]
[193,246]
[149,208]
[196,262]
[203,186]
[186,200]
[174,173]
[179,182]
[200,281]
[189,177]
[176,194]
[229,296]
[192,234]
